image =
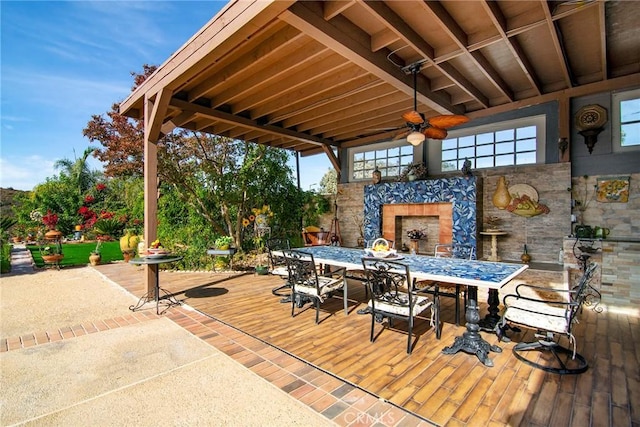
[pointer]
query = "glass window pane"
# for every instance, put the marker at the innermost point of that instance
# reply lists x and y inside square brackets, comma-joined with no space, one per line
[395,171]
[391,152]
[358,175]
[406,160]
[358,156]
[449,155]
[466,152]
[406,149]
[380,154]
[630,110]
[394,161]
[504,160]
[527,132]
[381,163]
[504,135]
[504,147]
[484,162]
[525,158]
[484,150]
[358,166]
[369,155]
[484,138]
[630,134]
[526,145]
[448,166]
[448,144]
[466,141]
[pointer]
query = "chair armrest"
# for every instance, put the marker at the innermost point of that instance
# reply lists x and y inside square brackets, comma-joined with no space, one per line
[341,271]
[526,298]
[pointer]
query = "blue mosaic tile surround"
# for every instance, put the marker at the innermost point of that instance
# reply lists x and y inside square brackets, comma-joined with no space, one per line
[471,272]
[461,191]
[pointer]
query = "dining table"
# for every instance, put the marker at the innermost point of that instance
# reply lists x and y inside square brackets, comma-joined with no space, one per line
[472,273]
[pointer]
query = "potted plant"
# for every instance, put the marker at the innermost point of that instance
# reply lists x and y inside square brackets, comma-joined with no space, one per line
[261,266]
[129,244]
[223,242]
[51,254]
[50,220]
[95,257]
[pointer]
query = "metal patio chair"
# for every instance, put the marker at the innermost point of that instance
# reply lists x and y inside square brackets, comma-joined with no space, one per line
[392,296]
[552,312]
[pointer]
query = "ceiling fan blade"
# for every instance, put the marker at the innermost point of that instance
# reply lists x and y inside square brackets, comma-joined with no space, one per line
[413,117]
[447,121]
[435,133]
[401,135]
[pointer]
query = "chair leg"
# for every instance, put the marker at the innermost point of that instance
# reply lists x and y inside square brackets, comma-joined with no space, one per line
[457,305]
[409,335]
[293,303]
[373,322]
[316,302]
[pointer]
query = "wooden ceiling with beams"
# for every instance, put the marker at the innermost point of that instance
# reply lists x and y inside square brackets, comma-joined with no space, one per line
[316,76]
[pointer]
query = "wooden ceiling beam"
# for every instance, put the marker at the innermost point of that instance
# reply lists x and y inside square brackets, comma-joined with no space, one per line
[554,31]
[602,21]
[333,8]
[248,123]
[305,77]
[241,62]
[448,24]
[339,36]
[397,25]
[500,22]
[345,107]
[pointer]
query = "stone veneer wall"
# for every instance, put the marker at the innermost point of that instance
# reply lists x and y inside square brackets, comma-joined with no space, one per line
[543,234]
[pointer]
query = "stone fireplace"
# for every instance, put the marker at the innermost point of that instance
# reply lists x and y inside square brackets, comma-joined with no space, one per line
[446,206]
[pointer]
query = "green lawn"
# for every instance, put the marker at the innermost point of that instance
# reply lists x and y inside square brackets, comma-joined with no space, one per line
[76,254]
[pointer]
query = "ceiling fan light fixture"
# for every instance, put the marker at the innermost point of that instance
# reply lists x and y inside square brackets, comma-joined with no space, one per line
[415,138]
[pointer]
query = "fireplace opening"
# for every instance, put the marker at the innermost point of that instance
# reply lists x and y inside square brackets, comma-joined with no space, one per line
[430,225]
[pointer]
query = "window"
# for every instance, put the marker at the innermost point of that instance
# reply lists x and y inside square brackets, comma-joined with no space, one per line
[626,120]
[516,142]
[390,159]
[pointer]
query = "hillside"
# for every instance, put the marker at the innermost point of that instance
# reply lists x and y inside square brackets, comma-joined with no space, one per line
[7,196]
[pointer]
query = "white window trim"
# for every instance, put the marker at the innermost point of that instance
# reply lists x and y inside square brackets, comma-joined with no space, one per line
[351,152]
[540,121]
[617,97]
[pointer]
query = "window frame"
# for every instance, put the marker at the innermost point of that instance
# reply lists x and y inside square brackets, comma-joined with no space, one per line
[377,147]
[616,120]
[538,120]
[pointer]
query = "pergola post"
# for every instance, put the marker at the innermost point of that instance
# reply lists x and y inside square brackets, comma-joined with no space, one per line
[154,111]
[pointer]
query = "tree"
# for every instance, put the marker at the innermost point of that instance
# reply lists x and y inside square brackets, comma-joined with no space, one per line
[329,182]
[78,171]
[215,178]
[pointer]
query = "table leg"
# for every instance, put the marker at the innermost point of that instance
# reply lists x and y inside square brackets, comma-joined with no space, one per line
[471,342]
[490,321]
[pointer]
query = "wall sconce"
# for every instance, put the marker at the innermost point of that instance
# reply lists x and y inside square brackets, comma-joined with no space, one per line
[590,120]
[416,138]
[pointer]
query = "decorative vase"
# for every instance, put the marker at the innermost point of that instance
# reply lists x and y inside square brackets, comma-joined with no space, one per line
[525,257]
[414,245]
[95,259]
[128,255]
[501,197]
[53,235]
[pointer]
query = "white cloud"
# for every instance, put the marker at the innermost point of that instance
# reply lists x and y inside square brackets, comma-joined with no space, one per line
[24,173]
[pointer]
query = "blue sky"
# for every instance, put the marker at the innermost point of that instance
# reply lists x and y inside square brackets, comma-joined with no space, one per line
[63,62]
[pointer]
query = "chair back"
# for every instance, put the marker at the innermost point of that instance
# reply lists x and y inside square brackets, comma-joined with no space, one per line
[580,292]
[388,282]
[302,269]
[277,244]
[455,250]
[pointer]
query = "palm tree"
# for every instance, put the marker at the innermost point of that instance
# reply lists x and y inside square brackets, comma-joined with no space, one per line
[78,171]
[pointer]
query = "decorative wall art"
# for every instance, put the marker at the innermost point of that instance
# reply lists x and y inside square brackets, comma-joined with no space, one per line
[524,201]
[612,189]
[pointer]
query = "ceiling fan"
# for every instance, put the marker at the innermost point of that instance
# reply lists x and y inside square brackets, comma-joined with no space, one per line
[418,127]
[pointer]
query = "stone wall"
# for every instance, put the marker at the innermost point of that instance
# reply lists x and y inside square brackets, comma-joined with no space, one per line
[543,234]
